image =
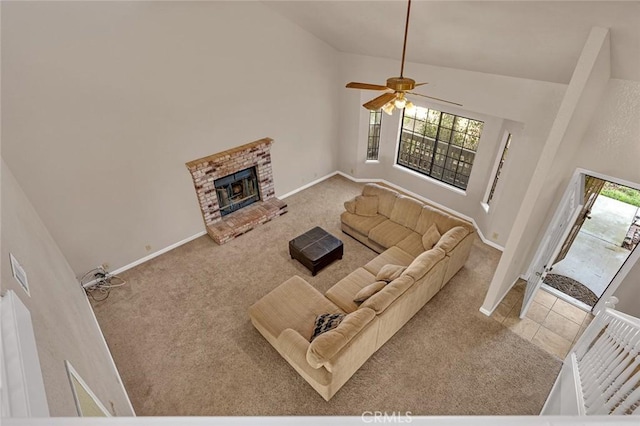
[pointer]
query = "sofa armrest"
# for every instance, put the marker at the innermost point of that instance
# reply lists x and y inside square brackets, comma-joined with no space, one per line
[452,238]
[350,205]
[458,256]
[329,343]
[422,264]
[294,349]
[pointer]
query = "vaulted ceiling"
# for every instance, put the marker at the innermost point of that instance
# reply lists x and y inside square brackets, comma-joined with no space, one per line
[528,39]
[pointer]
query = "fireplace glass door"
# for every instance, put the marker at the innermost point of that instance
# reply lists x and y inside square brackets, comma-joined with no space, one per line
[237,190]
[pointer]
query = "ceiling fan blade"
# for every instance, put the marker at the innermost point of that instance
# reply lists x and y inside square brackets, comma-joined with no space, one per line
[365,86]
[419,84]
[437,99]
[380,101]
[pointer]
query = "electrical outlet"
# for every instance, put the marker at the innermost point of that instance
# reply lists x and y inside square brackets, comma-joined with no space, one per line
[495,235]
[105,266]
[147,247]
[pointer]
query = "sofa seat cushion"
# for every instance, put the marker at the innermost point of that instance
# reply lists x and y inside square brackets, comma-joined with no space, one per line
[328,344]
[393,255]
[452,238]
[423,263]
[388,233]
[385,297]
[412,244]
[293,304]
[345,290]
[406,211]
[362,224]
[386,197]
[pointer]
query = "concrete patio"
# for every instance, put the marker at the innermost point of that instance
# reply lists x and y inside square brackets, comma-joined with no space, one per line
[596,254]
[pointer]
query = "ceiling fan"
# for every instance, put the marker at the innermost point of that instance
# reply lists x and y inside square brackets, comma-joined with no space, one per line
[399,86]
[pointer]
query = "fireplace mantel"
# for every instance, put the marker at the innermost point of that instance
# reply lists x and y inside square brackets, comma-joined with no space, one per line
[205,170]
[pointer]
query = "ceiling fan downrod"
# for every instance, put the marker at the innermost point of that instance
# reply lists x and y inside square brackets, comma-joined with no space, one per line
[404,44]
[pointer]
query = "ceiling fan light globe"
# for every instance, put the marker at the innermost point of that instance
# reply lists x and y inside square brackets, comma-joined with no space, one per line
[388,108]
[400,103]
[410,107]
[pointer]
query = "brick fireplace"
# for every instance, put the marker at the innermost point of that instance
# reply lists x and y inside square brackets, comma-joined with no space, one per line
[241,178]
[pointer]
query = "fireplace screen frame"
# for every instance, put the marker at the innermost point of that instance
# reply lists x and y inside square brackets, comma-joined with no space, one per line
[237,190]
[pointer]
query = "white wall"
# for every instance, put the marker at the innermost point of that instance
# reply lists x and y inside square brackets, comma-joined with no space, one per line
[611,144]
[64,326]
[612,147]
[629,292]
[553,167]
[526,107]
[104,102]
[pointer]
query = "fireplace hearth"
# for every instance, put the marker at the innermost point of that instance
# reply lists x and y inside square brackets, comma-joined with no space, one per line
[235,190]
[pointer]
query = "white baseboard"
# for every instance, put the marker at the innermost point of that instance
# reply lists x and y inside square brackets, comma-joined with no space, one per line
[428,201]
[485,240]
[486,312]
[199,234]
[308,185]
[360,180]
[113,363]
[157,253]
[493,308]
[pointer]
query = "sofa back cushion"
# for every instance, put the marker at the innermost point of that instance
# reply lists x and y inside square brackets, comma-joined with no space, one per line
[452,238]
[422,264]
[326,345]
[386,197]
[385,297]
[443,221]
[406,211]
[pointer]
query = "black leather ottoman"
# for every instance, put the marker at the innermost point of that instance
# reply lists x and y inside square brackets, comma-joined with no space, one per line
[315,249]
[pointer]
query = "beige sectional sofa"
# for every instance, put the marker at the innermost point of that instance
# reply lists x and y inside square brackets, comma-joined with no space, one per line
[402,221]
[395,226]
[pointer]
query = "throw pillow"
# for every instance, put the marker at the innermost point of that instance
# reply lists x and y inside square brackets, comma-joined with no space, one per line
[367,205]
[350,205]
[326,322]
[390,272]
[368,291]
[431,237]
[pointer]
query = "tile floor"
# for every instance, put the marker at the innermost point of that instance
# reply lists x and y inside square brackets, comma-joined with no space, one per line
[551,323]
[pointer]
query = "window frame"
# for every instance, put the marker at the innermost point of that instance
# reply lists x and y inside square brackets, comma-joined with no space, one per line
[498,168]
[375,137]
[436,143]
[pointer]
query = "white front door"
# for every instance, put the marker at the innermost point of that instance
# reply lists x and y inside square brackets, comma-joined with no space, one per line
[557,232]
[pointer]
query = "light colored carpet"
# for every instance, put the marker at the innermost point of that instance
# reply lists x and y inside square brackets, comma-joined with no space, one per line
[182,340]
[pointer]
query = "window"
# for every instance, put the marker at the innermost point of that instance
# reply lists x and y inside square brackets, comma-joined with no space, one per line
[373,145]
[499,169]
[439,145]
